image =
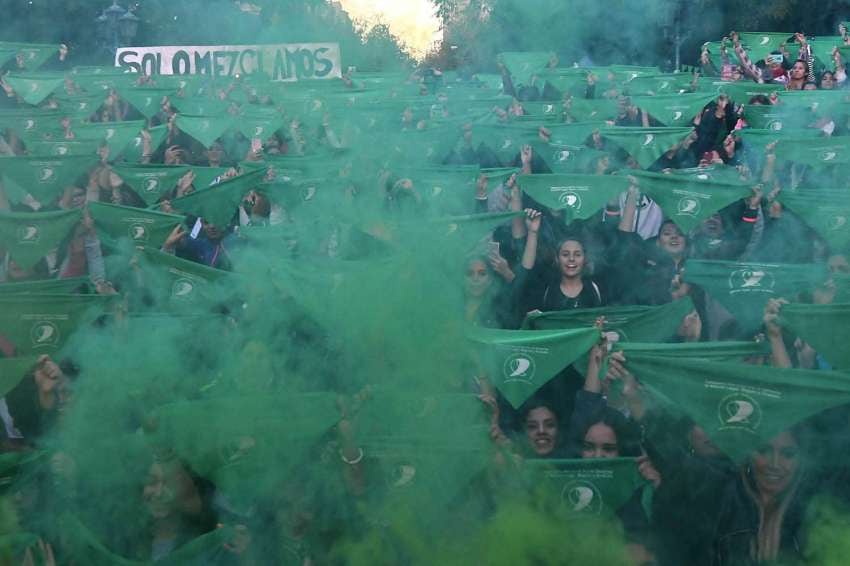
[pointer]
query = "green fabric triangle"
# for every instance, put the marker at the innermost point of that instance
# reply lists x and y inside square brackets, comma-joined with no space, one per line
[134,150]
[217,204]
[45,287]
[674,109]
[816,152]
[142,227]
[646,145]
[824,210]
[740,406]
[46,178]
[34,88]
[72,148]
[744,288]
[150,181]
[117,135]
[581,196]
[147,100]
[519,362]
[206,129]
[29,236]
[33,55]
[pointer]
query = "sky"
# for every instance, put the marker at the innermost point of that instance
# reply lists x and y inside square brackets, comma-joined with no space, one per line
[411,20]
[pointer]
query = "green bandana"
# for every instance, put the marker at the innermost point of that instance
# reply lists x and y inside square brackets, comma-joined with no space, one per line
[580,195]
[205,129]
[760,45]
[774,117]
[505,141]
[569,159]
[519,362]
[46,149]
[12,371]
[206,176]
[146,100]
[646,145]
[586,487]
[824,327]
[34,87]
[688,202]
[819,152]
[133,152]
[29,236]
[588,110]
[824,210]
[522,65]
[679,84]
[142,227]
[151,181]
[32,124]
[741,92]
[622,324]
[117,135]
[43,178]
[740,406]
[571,82]
[34,54]
[200,106]
[42,324]
[80,107]
[759,139]
[45,287]
[674,109]
[260,124]
[217,204]
[185,284]
[744,288]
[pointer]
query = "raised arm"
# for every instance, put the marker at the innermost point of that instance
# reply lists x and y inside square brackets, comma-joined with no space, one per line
[532,224]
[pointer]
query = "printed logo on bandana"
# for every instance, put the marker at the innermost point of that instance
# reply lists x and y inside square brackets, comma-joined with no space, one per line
[765,40]
[507,144]
[138,233]
[828,156]
[44,334]
[46,175]
[837,222]
[663,86]
[33,87]
[677,115]
[83,106]
[549,108]
[751,280]
[28,234]
[562,156]
[739,411]
[109,133]
[151,185]
[774,125]
[570,200]
[148,101]
[403,475]
[689,206]
[582,497]
[60,150]
[137,141]
[182,289]
[258,131]
[309,193]
[519,367]
[436,191]
[205,125]
[648,139]
[30,124]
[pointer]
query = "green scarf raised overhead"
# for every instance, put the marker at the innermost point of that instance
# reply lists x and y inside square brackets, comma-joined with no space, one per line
[584,488]
[827,211]
[46,287]
[205,129]
[42,324]
[146,100]
[688,202]
[31,124]
[571,159]
[824,327]
[150,181]
[646,145]
[522,65]
[586,110]
[29,236]
[62,148]
[740,406]
[674,109]
[759,139]
[506,141]
[181,283]
[133,153]
[142,227]
[46,179]
[35,87]
[818,152]
[80,106]
[741,92]
[760,45]
[581,196]
[260,122]
[650,85]
[117,135]
[217,204]
[775,117]
[621,324]
[744,288]
[519,362]
[34,55]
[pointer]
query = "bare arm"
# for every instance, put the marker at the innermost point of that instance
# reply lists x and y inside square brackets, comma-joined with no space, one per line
[532,223]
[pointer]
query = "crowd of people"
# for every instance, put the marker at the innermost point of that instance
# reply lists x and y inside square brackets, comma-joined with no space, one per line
[359,320]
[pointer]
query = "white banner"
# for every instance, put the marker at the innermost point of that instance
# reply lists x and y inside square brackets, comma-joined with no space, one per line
[285,62]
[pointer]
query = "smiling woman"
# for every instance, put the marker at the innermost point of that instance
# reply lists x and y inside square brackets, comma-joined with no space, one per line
[414,22]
